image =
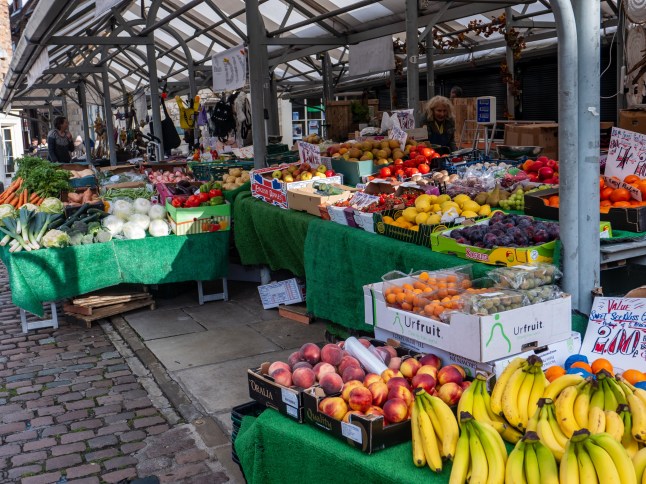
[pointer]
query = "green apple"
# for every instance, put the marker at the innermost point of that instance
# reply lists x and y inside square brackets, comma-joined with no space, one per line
[277,174]
[321,168]
[306,175]
[288,178]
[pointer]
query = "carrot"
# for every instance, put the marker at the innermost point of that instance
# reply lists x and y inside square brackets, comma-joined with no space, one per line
[33,198]
[39,200]
[11,189]
[13,200]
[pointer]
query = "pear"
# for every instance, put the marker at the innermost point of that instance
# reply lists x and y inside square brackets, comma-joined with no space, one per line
[494,197]
[504,195]
[481,198]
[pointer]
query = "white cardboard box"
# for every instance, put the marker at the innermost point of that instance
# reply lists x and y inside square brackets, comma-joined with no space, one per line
[479,338]
[284,292]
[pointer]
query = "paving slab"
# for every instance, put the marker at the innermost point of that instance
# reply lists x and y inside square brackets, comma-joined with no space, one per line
[162,323]
[291,334]
[221,314]
[197,349]
[222,386]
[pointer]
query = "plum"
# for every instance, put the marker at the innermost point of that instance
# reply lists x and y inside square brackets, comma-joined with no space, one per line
[541,236]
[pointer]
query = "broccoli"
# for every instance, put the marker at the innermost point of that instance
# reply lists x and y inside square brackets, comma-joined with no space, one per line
[93,228]
[75,237]
[80,226]
[56,238]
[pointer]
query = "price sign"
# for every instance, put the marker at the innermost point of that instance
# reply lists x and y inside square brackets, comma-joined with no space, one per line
[309,153]
[617,331]
[361,200]
[400,135]
[626,154]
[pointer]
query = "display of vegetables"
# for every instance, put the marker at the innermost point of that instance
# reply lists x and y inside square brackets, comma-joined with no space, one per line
[235,178]
[17,195]
[209,194]
[129,221]
[132,193]
[41,177]
[24,229]
[165,176]
[78,199]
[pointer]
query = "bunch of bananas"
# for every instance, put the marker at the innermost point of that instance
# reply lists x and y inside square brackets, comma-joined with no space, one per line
[531,461]
[434,431]
[595,458]
[477,401]
[480,456]
[547,428]
[516,393]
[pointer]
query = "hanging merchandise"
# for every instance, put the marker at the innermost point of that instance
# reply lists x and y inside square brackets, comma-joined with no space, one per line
[202,117]
[223,119]
[169,133]
[187,114]
[242,112]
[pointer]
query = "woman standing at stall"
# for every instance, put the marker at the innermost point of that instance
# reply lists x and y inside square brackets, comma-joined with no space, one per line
[440,122]
[59,141]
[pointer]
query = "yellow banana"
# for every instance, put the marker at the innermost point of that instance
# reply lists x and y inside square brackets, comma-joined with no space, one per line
[461,460]
[560,437]
[547,437]
[598,396]
[569,468]
[641,394]
[639,463]
[480,412]
[501,384]
[627,440]
[564,407]
[587,474]
[479,463]
[510,397]
[618,455]
[596,420]
[609,400]
[603,464]
[523,398]
[495,436]
[625,385]
[532,472]
[532,423]
[465,404]
[614,425]
[540,383]
[419,459]
[429,440]
[515,468]
[638,411]
[582,406]
[496,457]
[450,429]
[547,464]
[561,383]
[511,435]
[437,425]
[617,390]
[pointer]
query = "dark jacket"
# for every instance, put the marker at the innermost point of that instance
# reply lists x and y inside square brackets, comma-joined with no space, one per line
[59,147]
[442,134]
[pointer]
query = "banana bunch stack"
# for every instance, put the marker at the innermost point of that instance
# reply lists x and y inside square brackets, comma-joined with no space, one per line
[547,428]
[595,458]
[516,393]
[477,401]
[531,461]
[480,456]
[434,431]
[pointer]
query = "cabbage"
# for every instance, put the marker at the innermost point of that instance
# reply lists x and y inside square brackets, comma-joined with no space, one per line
[51,205]
[30,206]
[157,212]
[113,224]
[6,211]
[140,219]
[141,205]
[159,228]
[132,230]
[56,238]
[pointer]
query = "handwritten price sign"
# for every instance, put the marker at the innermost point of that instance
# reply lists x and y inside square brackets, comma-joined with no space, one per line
[400,135]
[617,331]
[626,154]
[309,153]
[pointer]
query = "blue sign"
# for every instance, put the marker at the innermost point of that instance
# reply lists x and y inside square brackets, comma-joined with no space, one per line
[486,109]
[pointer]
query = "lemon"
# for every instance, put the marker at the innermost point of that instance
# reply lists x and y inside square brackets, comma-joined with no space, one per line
[470,206]
[388,219]
[423,197]
[432,199]
[469,214]
[422,205]
[433,219]
[421,218]
[415,228]
[445,205]
[409,214]
[461,198]
[485,210]
[436,208]
[443,198]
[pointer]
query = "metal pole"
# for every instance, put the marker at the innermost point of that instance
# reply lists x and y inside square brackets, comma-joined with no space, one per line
[50,110]
[430,65]
[154,95]
[412,58]
[509,58]
[107,101]
[588,18]
[86,121]
[257,51]
[619,39]
[328,79]
[568,145]
[271,95]
[393,90]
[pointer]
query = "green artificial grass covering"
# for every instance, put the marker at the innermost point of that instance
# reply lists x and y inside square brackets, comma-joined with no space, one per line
[231,195]
[53,274]
[269,235]
[341,260]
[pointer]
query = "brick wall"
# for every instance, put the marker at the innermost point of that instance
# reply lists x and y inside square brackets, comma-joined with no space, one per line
[5,39]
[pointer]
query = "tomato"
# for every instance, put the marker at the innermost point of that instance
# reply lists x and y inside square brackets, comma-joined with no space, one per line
[398,162]
[203,197]
[193,201]
[399,172]
[428,152]
[215,193]
[423,168]
[419,159]
[385,172]
[176,202]
[435,155]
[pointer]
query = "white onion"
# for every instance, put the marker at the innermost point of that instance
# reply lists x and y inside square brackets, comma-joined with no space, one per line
[157,212]
[140,219]
[158,228]
[114,224]
[141,205]
[132,230]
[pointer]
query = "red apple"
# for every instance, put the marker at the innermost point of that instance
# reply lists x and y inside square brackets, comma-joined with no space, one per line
[545,173]
[432,360]
[425,381]
[450,393]
[330,173]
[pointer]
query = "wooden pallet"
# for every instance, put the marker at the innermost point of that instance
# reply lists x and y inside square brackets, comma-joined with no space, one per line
[105,311]
[86,305]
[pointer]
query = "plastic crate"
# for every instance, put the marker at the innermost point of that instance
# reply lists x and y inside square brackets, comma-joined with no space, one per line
[276,148]
[253,409]
[287,157]
[206,171]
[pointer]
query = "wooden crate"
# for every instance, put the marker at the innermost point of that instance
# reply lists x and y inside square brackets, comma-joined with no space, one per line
[338,116]
[464,109]
[92,307]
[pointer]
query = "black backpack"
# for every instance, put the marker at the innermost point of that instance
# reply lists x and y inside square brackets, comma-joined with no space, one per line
[223,120]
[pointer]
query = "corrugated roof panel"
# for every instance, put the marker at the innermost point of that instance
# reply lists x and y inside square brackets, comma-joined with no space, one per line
[370,13]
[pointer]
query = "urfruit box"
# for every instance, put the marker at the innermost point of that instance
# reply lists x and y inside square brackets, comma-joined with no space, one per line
[199,220]
[368,433]
[265,390]
[490,337]
[274,191]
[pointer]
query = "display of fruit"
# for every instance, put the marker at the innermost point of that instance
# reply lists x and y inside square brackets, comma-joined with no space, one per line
[541,294]
[531,461]
[507,231]
[620,197]
[543,170]
[516,201]
[382,152]
[236,177]
[525,277]
[314,139]
[493,301]
[434,431]
[304,171]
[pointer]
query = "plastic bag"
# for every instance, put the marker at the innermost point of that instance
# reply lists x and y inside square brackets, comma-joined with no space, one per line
[494,302]
[543,293]
[525,277]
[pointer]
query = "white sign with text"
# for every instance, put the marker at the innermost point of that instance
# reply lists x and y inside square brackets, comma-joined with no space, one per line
[229,69]
[626,154]
[309,153]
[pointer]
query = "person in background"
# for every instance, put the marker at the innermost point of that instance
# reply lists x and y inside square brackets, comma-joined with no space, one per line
[456,91]
[79,148]
[43,144]
[33,148]
[59,141]
[440,122]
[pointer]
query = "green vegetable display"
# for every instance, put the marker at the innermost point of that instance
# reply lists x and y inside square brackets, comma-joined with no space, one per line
[133,193]
[42,177]
[28,229]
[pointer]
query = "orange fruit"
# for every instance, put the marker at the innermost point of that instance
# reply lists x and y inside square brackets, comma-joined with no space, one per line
[423,276]
[602,364]
[632,179]
[622,205]
[582,364]
[633,376]
[553,372]
[602,183]
[620,195]
[605,203]
[391,298]
[605,193]
[554,201]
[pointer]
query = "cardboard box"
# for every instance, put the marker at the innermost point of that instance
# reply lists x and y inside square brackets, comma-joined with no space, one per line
[353,171]
[264,390]
[274,191]
[633,120]
[76,181]
[306,199]
[291,291]
[367,433]
[489,337]
[199,220]
[544,135]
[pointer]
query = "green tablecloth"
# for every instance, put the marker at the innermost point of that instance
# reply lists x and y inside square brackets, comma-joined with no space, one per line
[53,274]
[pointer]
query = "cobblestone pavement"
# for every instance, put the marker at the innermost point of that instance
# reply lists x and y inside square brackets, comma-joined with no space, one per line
[73,409]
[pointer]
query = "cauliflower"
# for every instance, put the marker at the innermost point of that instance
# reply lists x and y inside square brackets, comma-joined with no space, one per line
[56,238]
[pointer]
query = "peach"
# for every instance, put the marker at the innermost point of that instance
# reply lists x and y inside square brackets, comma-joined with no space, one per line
[334,407]
[450,393]
[302,364]
[425,381]
[303,377]
[383,355]
[310,353]
[395,410]
[461,370]
[331,354]
[429,370]
[409,367]
[282,377]
[391,350]
[388,374]
[346,417]
[397,381]
[294,358]
[366,343]
[465,385]
[360,399]
[370,379]
[347,388]
[348,361]
[321,369]
[278,364]
[401,392]
[432,360]
[353,373]
[374,410]
[331,383]
[379,392]
[449,374]
[395,363]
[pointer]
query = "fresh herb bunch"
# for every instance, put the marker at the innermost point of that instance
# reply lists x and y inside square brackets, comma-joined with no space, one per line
[42,177]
